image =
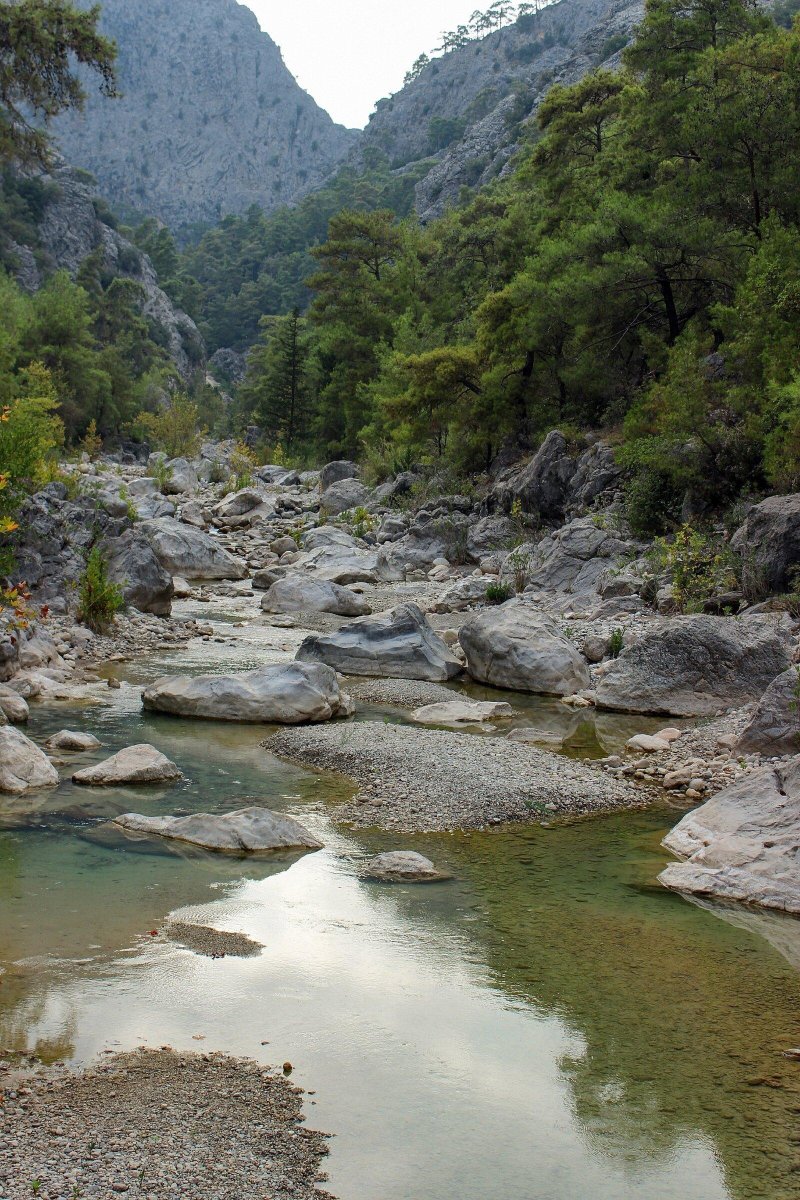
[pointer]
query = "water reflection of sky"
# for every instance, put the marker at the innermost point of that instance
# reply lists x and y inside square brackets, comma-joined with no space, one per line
[547,1026]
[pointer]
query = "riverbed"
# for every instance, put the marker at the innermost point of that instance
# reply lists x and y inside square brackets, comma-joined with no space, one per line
[549,1024]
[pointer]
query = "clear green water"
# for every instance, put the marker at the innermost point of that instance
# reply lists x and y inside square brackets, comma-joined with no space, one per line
[550,1025]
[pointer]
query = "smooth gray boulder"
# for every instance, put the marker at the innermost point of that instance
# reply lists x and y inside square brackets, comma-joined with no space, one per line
[516,646]
[248,831]
[401,866]
[190,553]
[134,565]
[68,739]
[743,843]
[696,666]
[334,472]
[239,504]
[264,579]
[135,764]
[342,496]
[280,694]
[306,594]
[398,644]
[769,543]
[182,477]
[774,728]
[13,706]
[23,766]
[463,593]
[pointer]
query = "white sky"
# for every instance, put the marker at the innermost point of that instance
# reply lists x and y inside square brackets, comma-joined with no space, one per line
[349,53]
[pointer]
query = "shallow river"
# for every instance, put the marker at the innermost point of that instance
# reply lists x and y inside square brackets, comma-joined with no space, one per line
[549,1025]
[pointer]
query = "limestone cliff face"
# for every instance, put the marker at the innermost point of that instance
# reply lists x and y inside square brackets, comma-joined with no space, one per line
[210,121]
[72,226]
[467,109]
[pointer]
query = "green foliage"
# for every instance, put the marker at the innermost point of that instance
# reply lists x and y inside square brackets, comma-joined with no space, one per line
[360,521]
[99,599]
[518,564]
[498,593]
[175,428]
[699,567]
[278,390]
[30,432]
[616,643]
[40,43]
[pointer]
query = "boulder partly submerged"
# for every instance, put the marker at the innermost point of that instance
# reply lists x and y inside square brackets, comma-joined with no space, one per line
[402,866]
[248,831]
[517,646]
[23,766]
[462,712]
[697,666]
[398,644]
[71,739]
[279,694]
[135,764]
[297,593]
[743,843]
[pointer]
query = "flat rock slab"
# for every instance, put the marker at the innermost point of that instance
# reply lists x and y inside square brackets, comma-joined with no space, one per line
[462,712]
[743,843]
[69,739]
[402,866]
[23,766]
[281,693]
[165,1111]
[135,764]
[399,644]
[248,831]
[418,779]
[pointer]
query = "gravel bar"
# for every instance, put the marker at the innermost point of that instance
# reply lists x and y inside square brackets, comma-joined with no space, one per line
[404,693]
[421,780]
[155,1123]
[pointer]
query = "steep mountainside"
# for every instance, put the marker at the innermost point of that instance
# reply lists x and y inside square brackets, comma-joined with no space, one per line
[71,226]
[210,121]
[466,108]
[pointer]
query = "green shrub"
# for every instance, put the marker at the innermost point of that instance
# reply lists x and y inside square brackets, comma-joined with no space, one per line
[174,429]
[498,593]
[99,599]
[518,563]
[699,566]
[615,643]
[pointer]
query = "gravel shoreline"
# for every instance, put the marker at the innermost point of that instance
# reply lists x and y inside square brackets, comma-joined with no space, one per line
[405,693]
[153,1124]
[424,780]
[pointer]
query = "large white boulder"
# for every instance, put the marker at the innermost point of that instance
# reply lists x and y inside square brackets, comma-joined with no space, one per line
[281,694]
[398,644]
[743,843]
[462,712]
[23,766]
[248,831]
[516,646]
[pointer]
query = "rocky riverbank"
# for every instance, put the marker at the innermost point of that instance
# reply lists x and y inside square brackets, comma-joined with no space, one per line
[158,1123]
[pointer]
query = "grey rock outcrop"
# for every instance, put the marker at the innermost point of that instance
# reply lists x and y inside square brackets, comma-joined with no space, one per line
[559,479]
[281,693]
[134,565]
[577,557]
[248,831]
[774,727]
[135,764]
[399,644]
[189,552]
[769,544]
[210,120]
[743,843]
[23,766]
[696,666]
[299,594]
[335,472]
[516,646]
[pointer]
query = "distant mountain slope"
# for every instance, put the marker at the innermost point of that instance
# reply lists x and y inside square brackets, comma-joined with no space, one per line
[466,108]
[210,121]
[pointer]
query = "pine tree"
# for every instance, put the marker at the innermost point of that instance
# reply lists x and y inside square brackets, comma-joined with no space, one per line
[277,390]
